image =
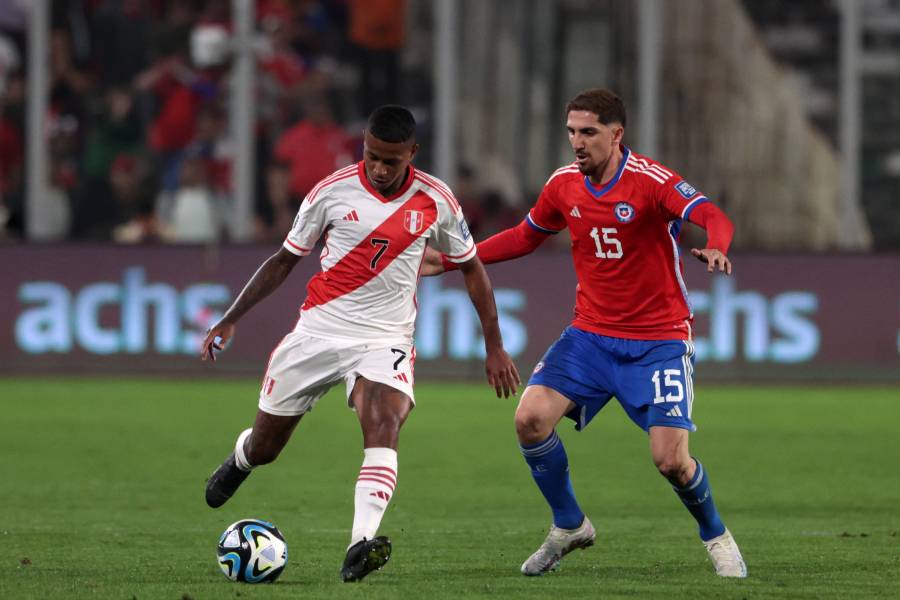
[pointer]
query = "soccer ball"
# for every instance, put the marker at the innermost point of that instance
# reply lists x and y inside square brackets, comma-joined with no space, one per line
[252,551]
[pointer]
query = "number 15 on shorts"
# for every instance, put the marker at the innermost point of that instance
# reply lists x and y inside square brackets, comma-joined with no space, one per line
[668,381]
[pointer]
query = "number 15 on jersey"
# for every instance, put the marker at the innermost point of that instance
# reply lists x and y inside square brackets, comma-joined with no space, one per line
[607,244]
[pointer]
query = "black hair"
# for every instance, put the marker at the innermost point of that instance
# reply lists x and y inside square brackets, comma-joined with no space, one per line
[392,123]
[608,107]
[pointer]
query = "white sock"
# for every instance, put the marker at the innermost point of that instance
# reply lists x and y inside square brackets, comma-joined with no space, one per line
[240,457]
[374,488]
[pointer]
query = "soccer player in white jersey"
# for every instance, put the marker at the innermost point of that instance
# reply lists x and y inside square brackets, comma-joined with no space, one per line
[356,324]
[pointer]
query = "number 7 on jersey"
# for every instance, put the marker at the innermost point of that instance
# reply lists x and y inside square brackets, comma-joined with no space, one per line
[382,246]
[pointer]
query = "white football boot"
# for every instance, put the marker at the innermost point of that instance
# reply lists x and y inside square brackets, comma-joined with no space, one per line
[725,556]
[559,542]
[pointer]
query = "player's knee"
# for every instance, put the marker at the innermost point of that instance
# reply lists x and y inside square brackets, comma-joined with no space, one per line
[672,468]
[387,427]
[382,431]
[531,427]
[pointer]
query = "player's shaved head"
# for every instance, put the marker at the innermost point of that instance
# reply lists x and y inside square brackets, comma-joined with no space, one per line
[608,107]
[392,123]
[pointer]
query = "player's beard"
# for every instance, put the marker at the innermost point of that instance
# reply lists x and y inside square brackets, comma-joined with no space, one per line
[594,170]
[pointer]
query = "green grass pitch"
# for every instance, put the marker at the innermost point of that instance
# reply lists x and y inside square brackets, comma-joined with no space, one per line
[102,496]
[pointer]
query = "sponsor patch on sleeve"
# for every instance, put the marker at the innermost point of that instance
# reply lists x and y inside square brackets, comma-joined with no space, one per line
[464,230]
[685,189]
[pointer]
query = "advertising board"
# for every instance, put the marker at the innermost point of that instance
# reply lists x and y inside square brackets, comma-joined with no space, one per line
[143,310]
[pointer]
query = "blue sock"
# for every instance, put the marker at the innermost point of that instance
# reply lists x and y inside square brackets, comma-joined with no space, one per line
[697,497]
[550,469]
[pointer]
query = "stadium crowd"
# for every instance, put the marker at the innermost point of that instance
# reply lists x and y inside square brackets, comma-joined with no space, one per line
[139,137]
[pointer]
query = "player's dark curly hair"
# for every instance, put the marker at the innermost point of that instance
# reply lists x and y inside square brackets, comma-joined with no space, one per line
[608,107]
[392,123]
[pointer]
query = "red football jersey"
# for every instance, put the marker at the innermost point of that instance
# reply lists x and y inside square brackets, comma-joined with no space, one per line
[624,246]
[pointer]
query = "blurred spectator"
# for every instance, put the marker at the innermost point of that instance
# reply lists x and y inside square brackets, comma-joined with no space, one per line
[69,83]
[139,145]
[288,75]
[102,206]
[114,129]
[12,153]
[170,36]
[210,145]
[196,215]
[378,29]
[276,215]
[278,56]
[181,93]
[182,90]
[120,37]
[313,148]
[52,211]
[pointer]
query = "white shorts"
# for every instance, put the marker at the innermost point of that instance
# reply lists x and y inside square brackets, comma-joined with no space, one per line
[303,368]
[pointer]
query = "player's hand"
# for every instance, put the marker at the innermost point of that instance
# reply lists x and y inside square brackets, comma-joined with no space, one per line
[216,338]
[502,373]
[432,264]
[714,259]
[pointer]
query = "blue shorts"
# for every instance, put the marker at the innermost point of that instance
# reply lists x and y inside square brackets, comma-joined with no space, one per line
[652,380]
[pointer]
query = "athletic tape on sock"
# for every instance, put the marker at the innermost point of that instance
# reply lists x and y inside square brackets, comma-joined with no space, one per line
[240,457]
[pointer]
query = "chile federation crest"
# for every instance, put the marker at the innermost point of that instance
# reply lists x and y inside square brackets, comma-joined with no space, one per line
[624,212]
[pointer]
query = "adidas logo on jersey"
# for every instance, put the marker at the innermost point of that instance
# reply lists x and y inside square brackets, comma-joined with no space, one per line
[401,377]
[351,216]
[575,212]
[675,412]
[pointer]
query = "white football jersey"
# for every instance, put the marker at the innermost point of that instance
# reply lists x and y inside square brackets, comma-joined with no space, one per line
[374,248]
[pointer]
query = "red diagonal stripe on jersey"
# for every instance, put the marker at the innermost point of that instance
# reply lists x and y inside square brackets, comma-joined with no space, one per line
[354,270]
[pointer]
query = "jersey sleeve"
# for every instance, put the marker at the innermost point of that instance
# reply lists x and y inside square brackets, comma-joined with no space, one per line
[452,237]
[308,226]
[544,216]
[677,198]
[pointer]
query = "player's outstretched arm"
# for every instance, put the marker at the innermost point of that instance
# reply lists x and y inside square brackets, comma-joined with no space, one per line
[719,231]
[500,369]
[432,265]
[267,278]
[508,244]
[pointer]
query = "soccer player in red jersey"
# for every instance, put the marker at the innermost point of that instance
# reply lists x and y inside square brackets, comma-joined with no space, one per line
[631,336]
[356,324]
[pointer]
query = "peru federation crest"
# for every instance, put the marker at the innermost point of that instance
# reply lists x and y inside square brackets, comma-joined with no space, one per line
[413,221]
[624,212]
